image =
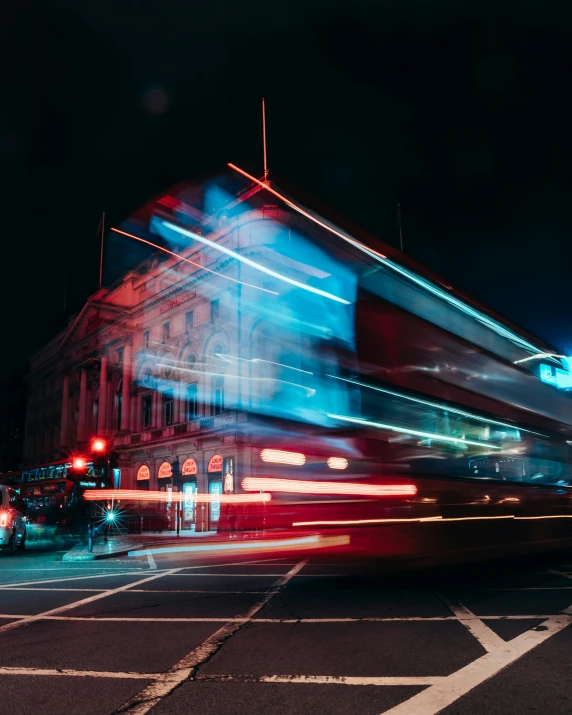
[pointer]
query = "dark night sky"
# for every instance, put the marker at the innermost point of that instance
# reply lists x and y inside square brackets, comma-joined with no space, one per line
[459,110]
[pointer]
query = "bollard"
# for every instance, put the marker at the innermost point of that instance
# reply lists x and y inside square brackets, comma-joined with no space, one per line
[90,538]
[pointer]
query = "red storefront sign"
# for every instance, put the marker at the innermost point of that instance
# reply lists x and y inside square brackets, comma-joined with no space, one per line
[189,467]
[165,471]
[215,464]
[177,301]
[143,473]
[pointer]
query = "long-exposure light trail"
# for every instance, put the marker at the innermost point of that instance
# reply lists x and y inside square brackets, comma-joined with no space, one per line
[252,264]
[415,433]
[426,285]
[187,260]
[299,486]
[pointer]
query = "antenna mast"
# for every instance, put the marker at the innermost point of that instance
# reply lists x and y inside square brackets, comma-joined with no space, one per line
[101,251]
[264,139]
[400,231]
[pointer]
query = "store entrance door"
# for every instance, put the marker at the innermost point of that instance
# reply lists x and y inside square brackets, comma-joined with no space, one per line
[215,489]
[189,506]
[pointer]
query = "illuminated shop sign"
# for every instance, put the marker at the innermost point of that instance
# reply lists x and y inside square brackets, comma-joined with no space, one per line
[215,464]
[165,471]
[143,472]
[177,301]
[189,467]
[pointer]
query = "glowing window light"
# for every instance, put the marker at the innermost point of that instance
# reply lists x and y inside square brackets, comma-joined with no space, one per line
[337,463]
[279,456]
[252,264]
[416,433]
[437,405]
[481,317]
[299,486]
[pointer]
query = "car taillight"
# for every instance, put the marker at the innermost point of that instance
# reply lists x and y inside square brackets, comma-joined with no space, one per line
[4,519]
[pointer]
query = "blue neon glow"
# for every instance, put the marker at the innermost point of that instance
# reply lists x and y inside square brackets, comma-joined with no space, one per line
[160,225]
[416,433]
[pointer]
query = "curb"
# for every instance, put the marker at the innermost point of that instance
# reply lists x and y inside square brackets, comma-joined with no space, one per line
[96,557]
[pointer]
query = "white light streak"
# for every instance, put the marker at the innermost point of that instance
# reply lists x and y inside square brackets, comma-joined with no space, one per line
[279,456]
[416,433]
[437,405]
[337,463]
[251,263]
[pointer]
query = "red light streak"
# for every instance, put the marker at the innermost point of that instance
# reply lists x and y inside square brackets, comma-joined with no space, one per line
[139,495]
[305,213]
[299,486]
[187,260]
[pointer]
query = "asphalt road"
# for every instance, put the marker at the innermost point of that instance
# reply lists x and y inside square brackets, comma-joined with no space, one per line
[173,635]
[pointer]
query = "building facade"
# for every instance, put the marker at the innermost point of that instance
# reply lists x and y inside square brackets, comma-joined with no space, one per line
[167,363]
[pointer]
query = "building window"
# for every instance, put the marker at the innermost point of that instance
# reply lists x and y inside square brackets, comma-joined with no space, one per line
[119,399]
[147,407]
[120,356]
[192,401]
[168,407]
[190,320]
[215,309]
[218,395]
[166,331]
[146,338]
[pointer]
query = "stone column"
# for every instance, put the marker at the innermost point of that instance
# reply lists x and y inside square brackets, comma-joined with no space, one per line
[102,414]
[126,390]
[65,411]
[82,405]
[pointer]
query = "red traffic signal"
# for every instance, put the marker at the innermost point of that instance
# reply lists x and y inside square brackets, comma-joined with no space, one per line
[79,463]
[98,445]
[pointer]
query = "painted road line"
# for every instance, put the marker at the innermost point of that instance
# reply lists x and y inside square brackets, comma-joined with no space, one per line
[151,560]
[69,578]
[325,679]
[226,619]
[489,640]
[452,687]
[78,673]
[183,670]
[82,602]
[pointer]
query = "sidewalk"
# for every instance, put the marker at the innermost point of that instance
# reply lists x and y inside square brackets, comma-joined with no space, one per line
[121,544]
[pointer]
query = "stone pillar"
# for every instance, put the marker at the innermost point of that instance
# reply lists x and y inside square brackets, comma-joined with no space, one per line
[126,390]
[102,413]
[82,405]
[65,411]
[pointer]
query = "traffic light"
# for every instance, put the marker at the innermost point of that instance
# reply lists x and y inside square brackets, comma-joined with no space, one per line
[98,445]
[99,454]
[78,469]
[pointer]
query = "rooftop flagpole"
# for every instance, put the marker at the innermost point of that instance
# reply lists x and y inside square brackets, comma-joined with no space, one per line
[264,139]
[101,252]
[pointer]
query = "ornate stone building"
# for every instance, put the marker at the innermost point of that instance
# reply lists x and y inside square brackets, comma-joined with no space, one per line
[164,363]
